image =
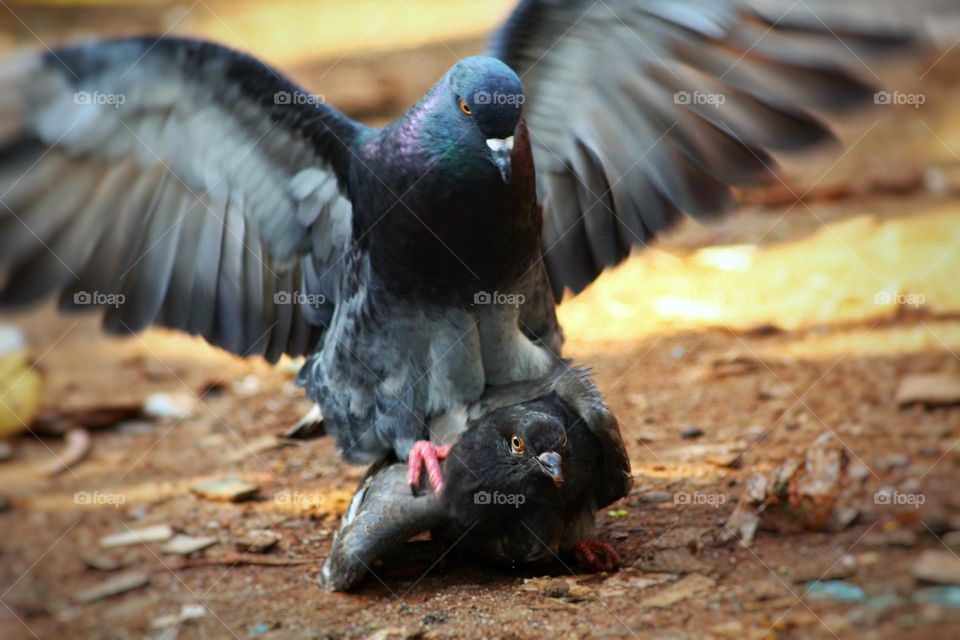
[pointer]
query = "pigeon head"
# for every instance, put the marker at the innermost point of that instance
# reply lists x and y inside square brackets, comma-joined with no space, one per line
[511,451]
[487,95]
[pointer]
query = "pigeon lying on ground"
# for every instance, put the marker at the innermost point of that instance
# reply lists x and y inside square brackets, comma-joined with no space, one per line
[176,182]
[530,465]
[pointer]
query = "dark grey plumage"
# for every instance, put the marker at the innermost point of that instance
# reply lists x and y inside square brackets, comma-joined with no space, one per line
[499,505]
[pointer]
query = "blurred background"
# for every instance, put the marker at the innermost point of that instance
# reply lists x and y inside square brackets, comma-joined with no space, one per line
[829,304]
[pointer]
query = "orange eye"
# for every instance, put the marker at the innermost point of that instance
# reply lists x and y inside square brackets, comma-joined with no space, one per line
[516,443]
[465,107]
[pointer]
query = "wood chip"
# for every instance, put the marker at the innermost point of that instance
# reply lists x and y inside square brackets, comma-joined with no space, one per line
[932,389]
[226,489]
[937,566]
[76,448]
[265,443]
[183,545]
[239,558]
[121,583]
[155,533]
[678,592]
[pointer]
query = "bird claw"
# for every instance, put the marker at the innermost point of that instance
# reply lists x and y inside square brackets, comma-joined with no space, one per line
[426,454]
[596,556]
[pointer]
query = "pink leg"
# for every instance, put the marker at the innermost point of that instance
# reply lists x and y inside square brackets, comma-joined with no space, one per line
[425,453]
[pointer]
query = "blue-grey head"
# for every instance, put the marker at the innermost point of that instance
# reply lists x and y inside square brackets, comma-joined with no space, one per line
[488,95]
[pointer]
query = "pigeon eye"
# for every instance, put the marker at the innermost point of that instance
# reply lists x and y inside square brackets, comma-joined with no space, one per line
[516,443]
[465,107]
[563,443]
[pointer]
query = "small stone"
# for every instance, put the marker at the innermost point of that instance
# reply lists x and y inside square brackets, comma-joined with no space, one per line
[116,585]
[952,539]
[940,596]
[892,461]
[135,428]
[691,433]
[655,497]
[837,590]
[155,533]
[187,612]
[259,629]
[184,545]
[176,406]
[901,538]
[931,389]
[257,541]
[844,567]
[678,592]
[225,489]
[942,567]
[727,460]
[101,562]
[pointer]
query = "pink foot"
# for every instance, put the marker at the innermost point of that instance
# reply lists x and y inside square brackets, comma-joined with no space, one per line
[425,454]
[596,556]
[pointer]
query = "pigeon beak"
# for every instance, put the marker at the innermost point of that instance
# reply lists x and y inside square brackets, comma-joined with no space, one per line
[550,464]
[500,150]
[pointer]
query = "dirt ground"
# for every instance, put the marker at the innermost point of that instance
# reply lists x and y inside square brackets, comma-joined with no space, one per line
[724,351]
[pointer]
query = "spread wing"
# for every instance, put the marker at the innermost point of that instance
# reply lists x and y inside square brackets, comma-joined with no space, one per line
[640,111]
[383,514]
[173,182]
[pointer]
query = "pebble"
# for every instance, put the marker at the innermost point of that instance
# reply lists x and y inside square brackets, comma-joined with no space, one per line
[257,541]
[176,406]
[941,596]
[654,497]
[227,489]
[184,545]
[155,533]
[679,591]
[952,539]
[115,585]
[691,433]
[942,567]
[101,562]
[931,389]
[135,428]
[837,590]
[187,612]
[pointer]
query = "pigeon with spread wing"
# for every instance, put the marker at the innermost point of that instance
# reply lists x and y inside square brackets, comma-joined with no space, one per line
[178,183]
